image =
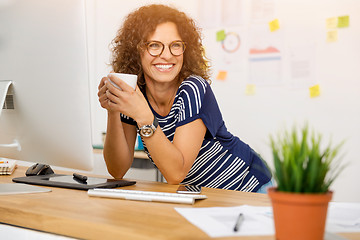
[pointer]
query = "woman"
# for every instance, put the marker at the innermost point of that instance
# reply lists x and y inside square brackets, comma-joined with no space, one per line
[173,107]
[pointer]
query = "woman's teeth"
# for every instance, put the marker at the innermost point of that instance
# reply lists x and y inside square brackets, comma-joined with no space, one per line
[164,67]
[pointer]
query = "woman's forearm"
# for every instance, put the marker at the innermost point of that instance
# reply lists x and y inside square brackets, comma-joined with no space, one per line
[168,159]
[175,159]
[118,146]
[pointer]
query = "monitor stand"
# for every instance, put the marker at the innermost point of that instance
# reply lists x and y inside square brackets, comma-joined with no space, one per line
[7,102]
[4,87]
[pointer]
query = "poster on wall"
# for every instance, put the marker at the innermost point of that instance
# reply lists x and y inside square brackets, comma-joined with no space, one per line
[222,23]
[220,13]
[264,56]
[229,49]
[302,60]
[262,11]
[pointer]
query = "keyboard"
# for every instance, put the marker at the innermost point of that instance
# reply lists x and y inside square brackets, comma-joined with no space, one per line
[145,195]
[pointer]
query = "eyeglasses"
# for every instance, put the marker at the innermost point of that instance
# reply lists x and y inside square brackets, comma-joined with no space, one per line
[156,48]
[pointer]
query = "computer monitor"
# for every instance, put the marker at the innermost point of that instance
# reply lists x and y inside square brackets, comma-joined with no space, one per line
[43,51]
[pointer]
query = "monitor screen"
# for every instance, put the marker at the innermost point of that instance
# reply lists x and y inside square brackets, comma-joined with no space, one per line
[43,52]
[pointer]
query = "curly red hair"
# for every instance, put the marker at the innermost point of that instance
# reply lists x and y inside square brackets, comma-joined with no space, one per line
[137,28]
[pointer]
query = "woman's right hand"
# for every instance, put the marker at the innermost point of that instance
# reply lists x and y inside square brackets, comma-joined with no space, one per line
[103,99]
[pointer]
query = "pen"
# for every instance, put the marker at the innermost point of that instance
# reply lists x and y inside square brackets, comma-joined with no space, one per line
[80,177]
[4,161]
[238,222]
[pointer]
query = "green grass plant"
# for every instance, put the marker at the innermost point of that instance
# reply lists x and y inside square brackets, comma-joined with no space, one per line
[302,164]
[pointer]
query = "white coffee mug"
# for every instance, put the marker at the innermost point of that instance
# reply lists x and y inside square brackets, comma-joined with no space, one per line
[129,79]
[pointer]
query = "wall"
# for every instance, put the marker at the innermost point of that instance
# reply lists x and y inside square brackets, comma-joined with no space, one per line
[259,97]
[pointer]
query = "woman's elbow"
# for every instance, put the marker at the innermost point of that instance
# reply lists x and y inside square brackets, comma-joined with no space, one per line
[174,180]
[115,173]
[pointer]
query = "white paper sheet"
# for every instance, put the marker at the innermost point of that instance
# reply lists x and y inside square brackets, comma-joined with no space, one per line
[258,221]
[20,188]
[220,221]
[343,217]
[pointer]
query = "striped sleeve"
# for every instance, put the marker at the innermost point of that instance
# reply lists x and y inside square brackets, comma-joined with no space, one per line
[190,99]
[127,119]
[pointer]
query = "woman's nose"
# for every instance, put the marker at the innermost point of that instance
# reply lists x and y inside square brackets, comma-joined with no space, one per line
[166,53]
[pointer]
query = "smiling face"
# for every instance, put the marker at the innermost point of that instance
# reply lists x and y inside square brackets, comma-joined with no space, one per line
[165,67]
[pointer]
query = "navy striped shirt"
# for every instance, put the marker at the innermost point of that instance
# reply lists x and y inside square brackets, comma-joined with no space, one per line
[224,161]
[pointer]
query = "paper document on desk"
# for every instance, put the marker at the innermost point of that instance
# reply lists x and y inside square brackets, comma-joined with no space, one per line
[220,221]
[20,188]
[343,217]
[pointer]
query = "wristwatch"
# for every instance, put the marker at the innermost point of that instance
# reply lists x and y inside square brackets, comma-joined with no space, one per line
[148,130]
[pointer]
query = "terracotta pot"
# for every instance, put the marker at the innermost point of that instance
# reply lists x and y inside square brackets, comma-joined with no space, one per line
[299,216]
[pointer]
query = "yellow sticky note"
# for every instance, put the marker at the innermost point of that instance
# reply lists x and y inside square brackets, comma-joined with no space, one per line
[250,89]
[220,35]
[314,91]
[331,23]
[343,21]
[274,25]
[221,75]
[332,36]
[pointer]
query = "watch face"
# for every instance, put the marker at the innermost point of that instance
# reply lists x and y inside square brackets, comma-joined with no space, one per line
[146,131]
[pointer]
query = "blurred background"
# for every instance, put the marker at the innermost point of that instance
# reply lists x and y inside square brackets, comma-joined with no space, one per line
[275,64]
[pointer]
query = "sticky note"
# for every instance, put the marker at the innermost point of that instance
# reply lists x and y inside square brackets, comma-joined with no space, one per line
[314,91]
[220,35]
[332,36]
[331,23]
[343,21]
[250,89]
[221,75]
[274,25]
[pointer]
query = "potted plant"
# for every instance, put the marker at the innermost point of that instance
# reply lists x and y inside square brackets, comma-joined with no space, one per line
[304,169]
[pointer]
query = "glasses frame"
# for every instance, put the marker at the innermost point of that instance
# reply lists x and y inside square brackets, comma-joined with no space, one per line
[163,47]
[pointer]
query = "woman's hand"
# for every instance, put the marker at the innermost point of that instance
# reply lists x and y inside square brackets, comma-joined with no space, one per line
[103,99]
[128,101]
[120,138]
